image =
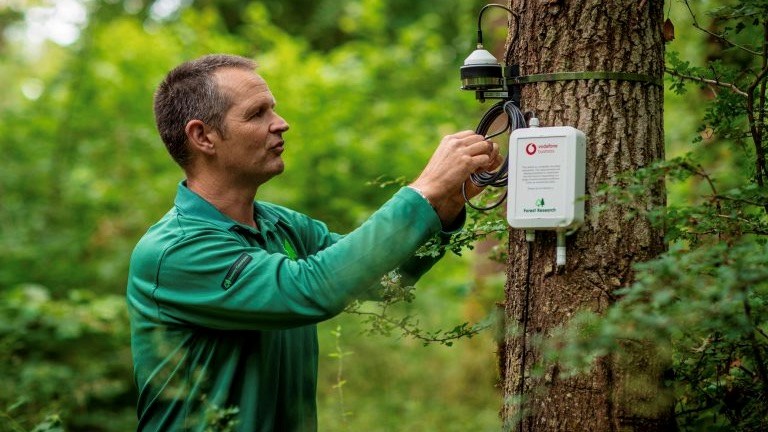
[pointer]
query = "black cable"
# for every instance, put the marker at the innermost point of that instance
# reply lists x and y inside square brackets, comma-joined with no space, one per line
[524,341]
[498,178]
[515,119]
[480,24]
[480,19]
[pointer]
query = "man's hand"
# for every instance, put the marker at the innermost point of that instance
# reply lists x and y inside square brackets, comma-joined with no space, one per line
[456,157]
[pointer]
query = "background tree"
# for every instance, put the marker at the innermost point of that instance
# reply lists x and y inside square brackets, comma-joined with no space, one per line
[705,299]
[623,124]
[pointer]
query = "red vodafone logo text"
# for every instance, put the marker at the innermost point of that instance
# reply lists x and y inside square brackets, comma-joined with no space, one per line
[530,149]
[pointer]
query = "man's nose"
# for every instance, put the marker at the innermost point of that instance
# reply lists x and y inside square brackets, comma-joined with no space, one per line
[280,125]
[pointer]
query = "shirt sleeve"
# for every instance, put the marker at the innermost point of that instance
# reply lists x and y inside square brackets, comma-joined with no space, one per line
[212,280]
[416,266]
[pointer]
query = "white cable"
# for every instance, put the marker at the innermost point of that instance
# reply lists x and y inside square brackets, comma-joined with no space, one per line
[560,251]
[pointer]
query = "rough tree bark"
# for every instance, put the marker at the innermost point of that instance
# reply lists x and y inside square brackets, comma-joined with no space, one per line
[623,124]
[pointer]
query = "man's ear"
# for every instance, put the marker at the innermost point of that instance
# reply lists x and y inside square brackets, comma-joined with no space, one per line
[200,136]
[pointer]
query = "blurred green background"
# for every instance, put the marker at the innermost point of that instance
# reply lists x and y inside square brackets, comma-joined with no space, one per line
[369,88]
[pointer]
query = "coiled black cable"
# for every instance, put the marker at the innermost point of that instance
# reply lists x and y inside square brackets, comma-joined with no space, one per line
[498,178]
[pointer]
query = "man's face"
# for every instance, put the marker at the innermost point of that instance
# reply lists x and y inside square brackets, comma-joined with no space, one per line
[251,146]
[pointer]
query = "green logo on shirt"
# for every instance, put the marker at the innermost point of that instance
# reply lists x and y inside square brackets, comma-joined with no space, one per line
[289,250]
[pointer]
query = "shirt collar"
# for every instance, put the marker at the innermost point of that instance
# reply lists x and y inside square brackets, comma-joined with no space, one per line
[191,204]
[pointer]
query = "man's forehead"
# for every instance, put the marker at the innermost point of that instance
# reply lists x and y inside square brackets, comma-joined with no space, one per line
[235,79]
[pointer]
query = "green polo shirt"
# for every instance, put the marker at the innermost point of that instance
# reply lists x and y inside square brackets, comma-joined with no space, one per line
[223,315]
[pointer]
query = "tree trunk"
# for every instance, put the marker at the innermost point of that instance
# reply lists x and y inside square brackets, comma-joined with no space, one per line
[623,122]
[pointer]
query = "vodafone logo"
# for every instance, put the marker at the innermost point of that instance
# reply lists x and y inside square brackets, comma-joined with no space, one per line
[532,148]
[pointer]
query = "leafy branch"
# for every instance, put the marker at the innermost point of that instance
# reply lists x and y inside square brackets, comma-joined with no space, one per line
[380,317]
[700,79]
[753,90]
[382,321]
[339,354]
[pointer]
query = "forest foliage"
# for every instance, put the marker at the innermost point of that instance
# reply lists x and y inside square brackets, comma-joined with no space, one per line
[84,174]
[369,87]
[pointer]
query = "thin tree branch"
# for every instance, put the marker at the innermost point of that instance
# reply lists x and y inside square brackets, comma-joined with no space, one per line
[721,37]
[732,87]
[698,409]
[408,329]
[741,200]
[756,229]
[762,369]
[756,129]
[761,103]
[756,124]
[699,171]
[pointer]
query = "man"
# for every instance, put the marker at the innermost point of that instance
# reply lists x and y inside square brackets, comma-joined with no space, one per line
[224,292]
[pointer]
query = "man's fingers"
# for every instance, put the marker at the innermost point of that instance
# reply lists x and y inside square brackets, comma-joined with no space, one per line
[462,139]
[481,147]
[486,155]
[456,157]
[464,134]
[496,158]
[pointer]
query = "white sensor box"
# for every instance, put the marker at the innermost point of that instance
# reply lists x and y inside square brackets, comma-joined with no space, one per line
[546,179]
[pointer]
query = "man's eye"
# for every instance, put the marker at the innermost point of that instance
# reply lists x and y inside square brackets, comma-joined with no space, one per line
[259,113]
